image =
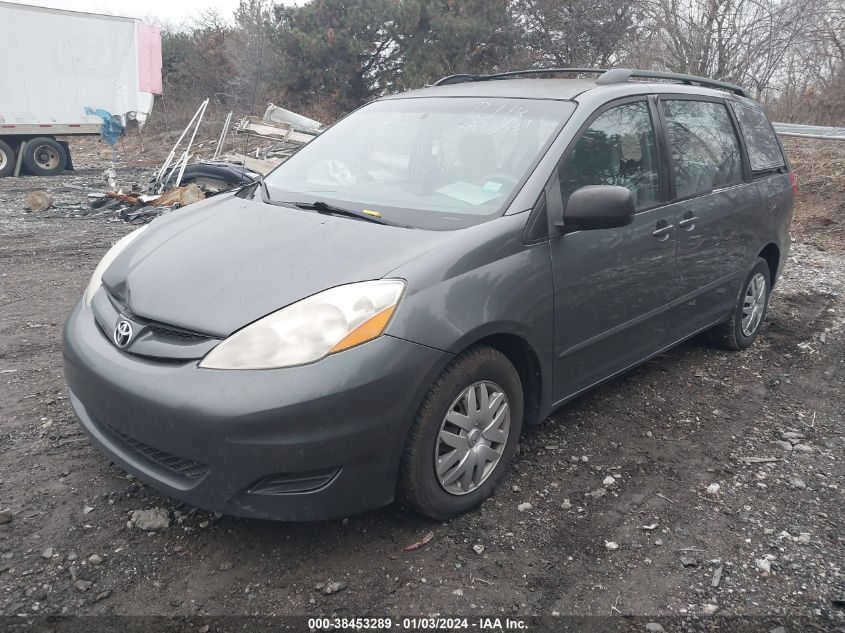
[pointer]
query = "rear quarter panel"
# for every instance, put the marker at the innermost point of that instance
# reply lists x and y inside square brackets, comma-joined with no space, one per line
[779,209]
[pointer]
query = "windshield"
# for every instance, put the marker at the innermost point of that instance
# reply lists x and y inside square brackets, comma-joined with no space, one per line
[435,163]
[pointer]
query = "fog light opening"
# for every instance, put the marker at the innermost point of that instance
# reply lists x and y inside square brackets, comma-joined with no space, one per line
[289,483]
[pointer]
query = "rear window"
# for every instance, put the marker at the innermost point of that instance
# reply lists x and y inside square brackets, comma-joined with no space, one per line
[763,148]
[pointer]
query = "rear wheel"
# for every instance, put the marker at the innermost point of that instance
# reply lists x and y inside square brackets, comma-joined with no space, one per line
[464,435]
[44,157]
[746,321]
[7,159]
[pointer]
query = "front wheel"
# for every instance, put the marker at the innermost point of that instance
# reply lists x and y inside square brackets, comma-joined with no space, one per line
[746,321]
[463,437]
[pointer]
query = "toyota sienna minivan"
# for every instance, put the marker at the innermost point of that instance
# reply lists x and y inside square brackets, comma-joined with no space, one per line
[383,314]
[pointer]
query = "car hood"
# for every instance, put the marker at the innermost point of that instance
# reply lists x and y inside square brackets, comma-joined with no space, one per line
[219,265]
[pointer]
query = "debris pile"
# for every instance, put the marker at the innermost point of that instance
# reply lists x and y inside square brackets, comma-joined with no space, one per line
[283,133]
[138,208]
[184,178]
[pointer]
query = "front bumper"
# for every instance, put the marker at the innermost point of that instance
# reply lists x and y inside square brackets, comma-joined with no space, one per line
[209,437]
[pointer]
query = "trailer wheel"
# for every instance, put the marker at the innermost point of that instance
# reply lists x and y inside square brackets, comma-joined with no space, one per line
[44,157]
[7,159]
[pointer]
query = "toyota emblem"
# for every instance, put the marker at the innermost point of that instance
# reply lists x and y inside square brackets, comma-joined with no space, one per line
[122,333]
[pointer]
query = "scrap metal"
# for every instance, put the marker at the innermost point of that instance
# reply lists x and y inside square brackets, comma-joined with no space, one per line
[180,182]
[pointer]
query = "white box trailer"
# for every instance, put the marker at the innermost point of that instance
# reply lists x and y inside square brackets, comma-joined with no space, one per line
[66,73]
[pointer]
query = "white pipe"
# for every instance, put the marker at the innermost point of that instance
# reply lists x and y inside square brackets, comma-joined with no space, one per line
[222,138]
[190,143]
[172,154]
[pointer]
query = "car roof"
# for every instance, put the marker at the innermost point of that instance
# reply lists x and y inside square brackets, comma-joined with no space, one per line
[519,88]
[561,89]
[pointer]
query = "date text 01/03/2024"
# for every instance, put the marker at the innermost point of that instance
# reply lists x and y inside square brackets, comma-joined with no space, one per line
[418,624]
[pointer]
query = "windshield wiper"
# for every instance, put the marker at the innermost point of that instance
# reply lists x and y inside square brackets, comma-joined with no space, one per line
[325,207]
[317,205]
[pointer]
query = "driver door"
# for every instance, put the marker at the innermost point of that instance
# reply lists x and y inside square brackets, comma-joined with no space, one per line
[612,287]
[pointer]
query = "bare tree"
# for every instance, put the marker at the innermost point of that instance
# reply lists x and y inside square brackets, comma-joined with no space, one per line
[812,89]
[744,41]
[336,54]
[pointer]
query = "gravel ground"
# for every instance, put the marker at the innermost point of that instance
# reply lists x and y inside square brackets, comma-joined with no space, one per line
[704,482]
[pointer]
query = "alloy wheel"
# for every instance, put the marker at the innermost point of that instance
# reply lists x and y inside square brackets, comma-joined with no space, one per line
[754,304]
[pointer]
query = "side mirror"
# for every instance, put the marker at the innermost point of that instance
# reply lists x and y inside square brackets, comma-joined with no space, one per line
[598,207]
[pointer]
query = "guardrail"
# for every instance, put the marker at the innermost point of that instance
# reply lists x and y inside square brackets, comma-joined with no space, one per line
[810,131]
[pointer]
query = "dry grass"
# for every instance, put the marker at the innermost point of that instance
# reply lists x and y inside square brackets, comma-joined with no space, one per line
[820,205]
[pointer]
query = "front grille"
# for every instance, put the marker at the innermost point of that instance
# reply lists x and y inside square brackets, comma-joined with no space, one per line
[181,466]
[172,332]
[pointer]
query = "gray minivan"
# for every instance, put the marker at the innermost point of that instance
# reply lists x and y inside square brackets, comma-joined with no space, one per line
[383,314]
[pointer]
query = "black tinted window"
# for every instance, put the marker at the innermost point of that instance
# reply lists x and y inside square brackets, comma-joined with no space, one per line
[705,150]
[763,148]
[617,149]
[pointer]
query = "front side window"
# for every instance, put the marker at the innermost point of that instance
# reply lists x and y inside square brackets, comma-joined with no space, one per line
[763,148]
[617,149]
[705,150]
[437,163]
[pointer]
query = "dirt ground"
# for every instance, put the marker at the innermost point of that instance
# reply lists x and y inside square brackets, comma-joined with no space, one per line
[554,541]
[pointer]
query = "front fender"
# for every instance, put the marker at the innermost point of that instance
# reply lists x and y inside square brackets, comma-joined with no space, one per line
[488,282]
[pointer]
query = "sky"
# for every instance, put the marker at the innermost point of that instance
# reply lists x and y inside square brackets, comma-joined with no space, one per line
[174,12]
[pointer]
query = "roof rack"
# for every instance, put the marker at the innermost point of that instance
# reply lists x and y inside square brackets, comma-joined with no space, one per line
[458,79]
[606,77]
[621,75]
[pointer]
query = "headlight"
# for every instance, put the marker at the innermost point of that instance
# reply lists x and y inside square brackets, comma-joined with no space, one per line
[108,258]
[306,331]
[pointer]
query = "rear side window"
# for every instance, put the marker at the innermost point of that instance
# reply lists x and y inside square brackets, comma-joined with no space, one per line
[705,149]
[763,149]
[617,149]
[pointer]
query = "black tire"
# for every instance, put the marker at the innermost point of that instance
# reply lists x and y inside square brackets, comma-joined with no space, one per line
[229,176]
[44,157]
[730,334]
[7,159]
[419,487]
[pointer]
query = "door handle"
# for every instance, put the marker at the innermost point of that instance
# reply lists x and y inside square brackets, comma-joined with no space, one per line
[688,223]
[663,230]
